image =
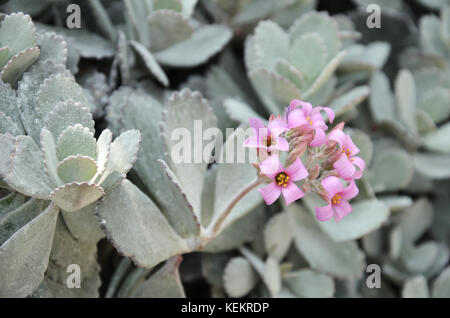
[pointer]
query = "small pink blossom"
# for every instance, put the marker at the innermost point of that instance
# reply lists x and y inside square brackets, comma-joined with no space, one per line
[347,160]
[267,138]
[309,119]
[283,180]
[337,197]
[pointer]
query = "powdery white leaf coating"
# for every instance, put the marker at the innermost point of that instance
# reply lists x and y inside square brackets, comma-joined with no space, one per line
[75,196]
[239,277]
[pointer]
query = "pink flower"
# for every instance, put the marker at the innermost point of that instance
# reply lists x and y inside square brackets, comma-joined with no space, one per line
[337,197]
[283,180]
[268,137]
[346,161]
[310,119]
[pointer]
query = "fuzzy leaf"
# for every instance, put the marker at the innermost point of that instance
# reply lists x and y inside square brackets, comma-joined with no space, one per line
[436,103]
[83,225]
[441,286]
[349,100]
[239,277]
[433,166]
[405,95]
[77,169]
[53,47]
[18,64]
[365,58]
[17,32]
[167,28]
[278,236]
[49,157]
[415,220]
[306,283]
[381,100]
[416,287]
[74,196]
[76,140]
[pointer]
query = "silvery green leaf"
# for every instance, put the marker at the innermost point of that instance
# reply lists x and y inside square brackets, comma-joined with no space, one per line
[373,243]
[219,84]
[278,236]
[365,58]
[287,70]
[17,32]
[203,44]
[349,100]
[8,126]
[415,220]
[238,110]
[10,202]
[340,259]
[4,55]
[436,103]
[74,196]
[49,157]
[445,25]
[121,270]
[123,57]
[274,90]
[421,258]
[425,123]
[208,196]
[66,251]
[239,277]
[306,283]
[174,5]
[68,113]
[391,170]
[440,262]
[123,154]
[396,202]
[22,168]
[416,287]
[165,283]
[433,166]
[167,28]
[395,242]
[53,47]
[9,103]
[77,168]
[430,36]
[256,10]
[272,276]
[24,256]
[18,64]
[381,100]
[132,281]
[83,225]
[441,286]
[265,49]
[135,233]
[366,216]
[102,19]
[76,140]
[320,23]
[405,95]
[188,111]
[150,62]
[439,140]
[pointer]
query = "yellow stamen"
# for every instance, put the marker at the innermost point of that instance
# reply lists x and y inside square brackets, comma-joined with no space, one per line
[282,179]
[336,199]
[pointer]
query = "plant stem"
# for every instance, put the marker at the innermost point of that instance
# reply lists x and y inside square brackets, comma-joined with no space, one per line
[230,207]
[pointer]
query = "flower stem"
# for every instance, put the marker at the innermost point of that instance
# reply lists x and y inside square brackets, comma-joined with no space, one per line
[230,207]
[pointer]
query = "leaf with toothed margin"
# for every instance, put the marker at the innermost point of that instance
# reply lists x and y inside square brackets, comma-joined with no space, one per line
[24,256]
[103,150]
[4,55]
[187,223]
[150,62]
[239,277]
[59,88]
[287,70]
[432,165]
[8,126]
[349,100]
[9,102]
[18,64]
[68,113]
[274,90]
[75,196]
[77,169]
[361,58]
[76,140]
[203,44]
[49,157]
[189,114]
[17,32]
[239,111]
[164,283]
[53,47]
[366,217]
[22,168]
[83,225]
[339,259]
[123,154]
[136,227]
[167,28]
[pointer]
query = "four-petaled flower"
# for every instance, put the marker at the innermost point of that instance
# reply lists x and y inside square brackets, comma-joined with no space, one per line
[337,197]
[267,138]
[283,180]
[345,163]
[309,119]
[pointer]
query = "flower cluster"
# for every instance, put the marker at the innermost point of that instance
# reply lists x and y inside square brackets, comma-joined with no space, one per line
[331,164]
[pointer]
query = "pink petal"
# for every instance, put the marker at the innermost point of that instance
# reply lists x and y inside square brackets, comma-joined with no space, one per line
[276,127]
[344,167]
[291,193]
[328,111]
[296,118]
[350,191]
[332,185]
[296,171]
[253,141]
[307,108]
[324,213]
[271,166]
[294,104]
[281,144]
[270,193]
[319,139]
[256,124]
[341,210]
[350,146]
[337,136]
[360,164]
